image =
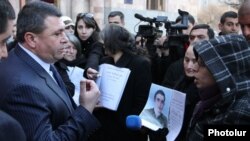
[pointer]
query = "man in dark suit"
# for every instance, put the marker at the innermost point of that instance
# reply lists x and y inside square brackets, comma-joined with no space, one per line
[32,92]
[10,129]
[7,20]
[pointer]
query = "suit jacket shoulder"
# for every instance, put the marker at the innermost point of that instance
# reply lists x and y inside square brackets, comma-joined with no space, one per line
[31,96]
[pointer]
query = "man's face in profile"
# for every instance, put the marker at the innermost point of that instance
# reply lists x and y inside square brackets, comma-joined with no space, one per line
[159,103]
[244,19]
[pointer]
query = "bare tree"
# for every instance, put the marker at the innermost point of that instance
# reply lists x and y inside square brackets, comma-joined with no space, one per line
[211,14]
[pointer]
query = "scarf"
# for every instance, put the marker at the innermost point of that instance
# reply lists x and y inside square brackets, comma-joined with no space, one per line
[208,97]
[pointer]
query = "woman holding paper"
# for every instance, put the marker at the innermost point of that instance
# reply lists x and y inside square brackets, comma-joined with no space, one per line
[121,51]
[87,31]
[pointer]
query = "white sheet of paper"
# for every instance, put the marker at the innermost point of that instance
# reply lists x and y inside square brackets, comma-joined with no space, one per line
[112,82]
[174,109]
[176,114]
[76,75]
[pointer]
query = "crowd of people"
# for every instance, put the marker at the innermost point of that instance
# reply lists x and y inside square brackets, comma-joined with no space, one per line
[41,100]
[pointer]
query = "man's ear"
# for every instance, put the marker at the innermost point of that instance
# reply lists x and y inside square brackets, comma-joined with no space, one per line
[31,39]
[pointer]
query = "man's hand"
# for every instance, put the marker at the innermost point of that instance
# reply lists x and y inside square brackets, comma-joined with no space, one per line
[89,94]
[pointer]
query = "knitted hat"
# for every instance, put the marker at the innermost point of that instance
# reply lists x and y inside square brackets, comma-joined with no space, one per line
[228,59]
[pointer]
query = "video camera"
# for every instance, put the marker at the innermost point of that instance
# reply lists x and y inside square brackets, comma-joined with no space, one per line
[176,39]
[149,31]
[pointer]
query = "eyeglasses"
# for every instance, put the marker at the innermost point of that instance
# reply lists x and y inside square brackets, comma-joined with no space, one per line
[89,15]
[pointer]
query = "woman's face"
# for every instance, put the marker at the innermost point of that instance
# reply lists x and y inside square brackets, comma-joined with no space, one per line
[83,31]
[190,62]
[203,77]
[70,52]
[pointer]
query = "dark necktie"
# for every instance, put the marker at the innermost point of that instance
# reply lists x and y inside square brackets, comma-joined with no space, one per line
[60,82]
[58,79]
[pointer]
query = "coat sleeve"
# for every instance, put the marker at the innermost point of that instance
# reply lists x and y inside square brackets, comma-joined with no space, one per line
[30,106]
[95,55]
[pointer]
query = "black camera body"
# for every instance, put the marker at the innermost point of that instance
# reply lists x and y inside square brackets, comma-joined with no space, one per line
[152,30]
[149,31]
[176,39]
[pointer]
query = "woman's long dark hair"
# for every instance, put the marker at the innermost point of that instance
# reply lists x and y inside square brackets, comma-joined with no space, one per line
[117,38]
[90,22]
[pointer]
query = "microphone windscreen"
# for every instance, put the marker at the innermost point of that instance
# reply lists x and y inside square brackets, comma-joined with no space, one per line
[140,17]
[133,122]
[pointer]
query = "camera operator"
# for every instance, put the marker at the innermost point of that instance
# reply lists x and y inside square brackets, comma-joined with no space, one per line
[168,49]
[163,52]
[140,41]
[161,60]
[179,42]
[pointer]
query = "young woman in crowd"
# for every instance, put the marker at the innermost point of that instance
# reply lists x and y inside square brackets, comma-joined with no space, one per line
[72,59]
[87,31]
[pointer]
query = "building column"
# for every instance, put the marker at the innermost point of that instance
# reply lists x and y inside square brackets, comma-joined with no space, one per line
[97,8]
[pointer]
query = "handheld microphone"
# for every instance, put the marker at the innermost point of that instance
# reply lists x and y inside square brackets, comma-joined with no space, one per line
[133,122]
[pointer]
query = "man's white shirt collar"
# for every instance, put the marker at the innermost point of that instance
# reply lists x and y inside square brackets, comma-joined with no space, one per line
[45,65]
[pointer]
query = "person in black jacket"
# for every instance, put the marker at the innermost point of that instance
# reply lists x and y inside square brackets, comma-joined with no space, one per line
[31,91]
[10,128]
[121,52]
[72,57]
[186,85]
[87,31]
[229,23]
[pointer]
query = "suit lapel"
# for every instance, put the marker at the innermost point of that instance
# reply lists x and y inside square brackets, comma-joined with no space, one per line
[44,75]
